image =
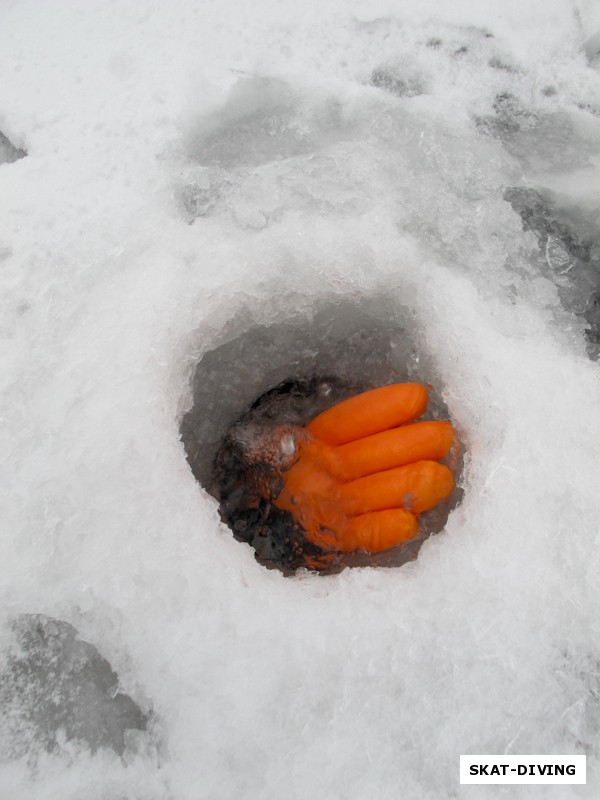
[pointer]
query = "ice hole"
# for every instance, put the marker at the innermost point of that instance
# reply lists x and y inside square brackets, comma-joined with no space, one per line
[288,372]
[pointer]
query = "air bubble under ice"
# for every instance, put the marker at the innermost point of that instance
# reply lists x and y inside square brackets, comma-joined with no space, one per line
[200,170]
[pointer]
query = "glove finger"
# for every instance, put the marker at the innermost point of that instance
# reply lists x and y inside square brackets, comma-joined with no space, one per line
[370,412]
[378,531]
[416,487]
[422,441]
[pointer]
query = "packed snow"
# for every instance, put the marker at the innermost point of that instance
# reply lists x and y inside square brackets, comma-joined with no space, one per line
[174,176]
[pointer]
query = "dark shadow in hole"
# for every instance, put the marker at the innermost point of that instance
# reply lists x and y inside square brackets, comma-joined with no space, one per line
[55,686]
[289,373]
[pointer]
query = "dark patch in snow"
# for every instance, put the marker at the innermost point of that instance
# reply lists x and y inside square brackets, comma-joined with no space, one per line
[56,687]
[592,48]
[497,63]
[393,81]
[540,142]
[8,152]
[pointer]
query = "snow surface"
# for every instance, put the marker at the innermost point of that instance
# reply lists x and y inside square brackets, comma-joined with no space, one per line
[189,160]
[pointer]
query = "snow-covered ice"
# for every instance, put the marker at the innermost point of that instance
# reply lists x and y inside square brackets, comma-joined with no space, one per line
[197,169]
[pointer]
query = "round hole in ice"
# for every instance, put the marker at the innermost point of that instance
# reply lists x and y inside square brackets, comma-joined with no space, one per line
[290,371]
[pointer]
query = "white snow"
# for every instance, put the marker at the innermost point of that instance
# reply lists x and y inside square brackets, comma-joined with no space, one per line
[309,183]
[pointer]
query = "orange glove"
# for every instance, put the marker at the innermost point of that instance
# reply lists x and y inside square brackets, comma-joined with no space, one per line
[360,477]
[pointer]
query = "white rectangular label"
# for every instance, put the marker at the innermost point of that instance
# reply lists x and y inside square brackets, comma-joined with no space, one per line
[522,769]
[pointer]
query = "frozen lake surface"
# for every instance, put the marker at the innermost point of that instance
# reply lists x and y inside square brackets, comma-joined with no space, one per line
[174,176]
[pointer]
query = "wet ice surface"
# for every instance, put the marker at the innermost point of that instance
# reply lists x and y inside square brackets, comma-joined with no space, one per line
[195,172]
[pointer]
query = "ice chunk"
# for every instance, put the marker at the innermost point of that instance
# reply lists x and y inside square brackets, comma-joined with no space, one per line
[398,80]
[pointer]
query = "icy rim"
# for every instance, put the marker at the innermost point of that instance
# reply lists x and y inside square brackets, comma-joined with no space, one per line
[182,165]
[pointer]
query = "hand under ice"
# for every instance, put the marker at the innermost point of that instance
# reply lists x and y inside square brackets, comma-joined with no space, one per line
[360,476]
